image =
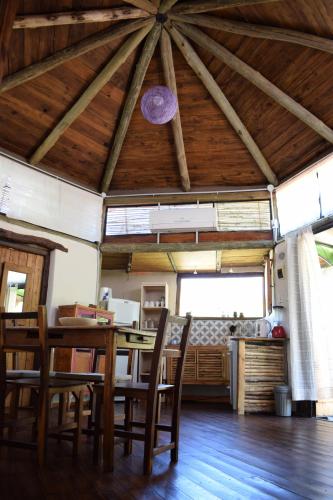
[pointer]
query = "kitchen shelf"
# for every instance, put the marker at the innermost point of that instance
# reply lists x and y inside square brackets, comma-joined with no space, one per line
[152,308]
[151,293]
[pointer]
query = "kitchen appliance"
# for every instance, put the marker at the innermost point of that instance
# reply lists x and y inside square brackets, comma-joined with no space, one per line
[125,311]
[278,332]
[262,327]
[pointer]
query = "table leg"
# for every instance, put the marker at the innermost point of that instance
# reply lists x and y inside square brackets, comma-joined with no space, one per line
[108,400]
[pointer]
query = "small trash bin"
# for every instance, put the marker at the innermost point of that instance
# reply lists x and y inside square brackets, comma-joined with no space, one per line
[282,400]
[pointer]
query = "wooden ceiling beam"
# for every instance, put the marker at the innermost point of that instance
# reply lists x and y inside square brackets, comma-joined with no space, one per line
[78,49]
[131,99]
[166,5]
[257,31]
[172,262]
[258,80]
[91,91]
[193,197]
[195,6]
[107,248]
[8,10]
[218,260]
[170,80]
[143,4]
[207,79]
[32,21]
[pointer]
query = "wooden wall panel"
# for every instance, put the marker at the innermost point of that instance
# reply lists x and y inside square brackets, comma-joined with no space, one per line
[153,262]
[190,261]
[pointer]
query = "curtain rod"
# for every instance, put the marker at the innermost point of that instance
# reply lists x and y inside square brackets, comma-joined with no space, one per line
[188,193]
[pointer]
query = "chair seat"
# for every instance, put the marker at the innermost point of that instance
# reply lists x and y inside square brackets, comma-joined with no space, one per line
[53,383]
[17,374]
[89,377]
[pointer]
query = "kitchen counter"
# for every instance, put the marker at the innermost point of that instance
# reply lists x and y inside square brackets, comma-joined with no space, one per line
[258,365]
[259,339]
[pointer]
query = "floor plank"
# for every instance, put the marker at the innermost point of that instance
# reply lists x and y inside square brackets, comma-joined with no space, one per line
[222,456]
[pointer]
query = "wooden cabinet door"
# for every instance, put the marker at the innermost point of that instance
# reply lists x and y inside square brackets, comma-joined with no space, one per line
[226,365]
[211,365]
[189,368]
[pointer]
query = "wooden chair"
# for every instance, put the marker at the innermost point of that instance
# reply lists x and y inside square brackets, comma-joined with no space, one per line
[96,377]
[150,393]
[44,387]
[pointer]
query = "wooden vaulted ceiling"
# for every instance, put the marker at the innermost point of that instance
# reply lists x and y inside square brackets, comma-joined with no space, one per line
[215,154]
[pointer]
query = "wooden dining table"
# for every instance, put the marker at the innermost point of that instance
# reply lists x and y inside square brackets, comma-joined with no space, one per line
[106,337]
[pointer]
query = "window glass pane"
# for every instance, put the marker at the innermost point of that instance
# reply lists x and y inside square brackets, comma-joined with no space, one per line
[214,297]
[325,177]
[298,202]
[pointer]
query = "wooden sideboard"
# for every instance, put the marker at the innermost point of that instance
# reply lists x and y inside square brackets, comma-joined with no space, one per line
[204,365]
[78,360]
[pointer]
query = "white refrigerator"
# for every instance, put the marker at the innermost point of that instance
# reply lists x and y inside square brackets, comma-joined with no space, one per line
[126,311]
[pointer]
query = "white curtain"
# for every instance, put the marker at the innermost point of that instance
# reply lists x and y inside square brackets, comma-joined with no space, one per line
[311,376]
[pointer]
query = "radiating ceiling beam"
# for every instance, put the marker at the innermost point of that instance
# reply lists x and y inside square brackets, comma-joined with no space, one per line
[170,80]
[77,49]
[143,4]
[213,88]
[257,31]
[131,99]
[8,10]
[195,6]
[166,5]
[32,21]
[91,91]
[258,80]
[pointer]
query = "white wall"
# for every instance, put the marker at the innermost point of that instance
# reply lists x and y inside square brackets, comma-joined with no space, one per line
[73,276]
[281,284]
[128,285]
[49,202]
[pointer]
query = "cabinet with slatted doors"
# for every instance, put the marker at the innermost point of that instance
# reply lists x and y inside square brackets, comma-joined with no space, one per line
[204,365]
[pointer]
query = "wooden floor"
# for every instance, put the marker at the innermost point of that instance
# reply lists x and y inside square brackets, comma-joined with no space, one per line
[222,456]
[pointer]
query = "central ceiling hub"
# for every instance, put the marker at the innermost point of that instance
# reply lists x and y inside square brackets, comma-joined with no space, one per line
[161,18]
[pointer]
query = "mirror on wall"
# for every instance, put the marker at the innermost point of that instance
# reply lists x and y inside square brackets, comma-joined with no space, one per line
[13,287]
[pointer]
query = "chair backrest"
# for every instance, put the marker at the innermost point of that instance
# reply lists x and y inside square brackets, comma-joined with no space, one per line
[41,317]
[165,320]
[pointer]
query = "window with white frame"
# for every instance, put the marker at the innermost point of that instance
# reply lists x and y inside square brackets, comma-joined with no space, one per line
[307,197]
[222,296]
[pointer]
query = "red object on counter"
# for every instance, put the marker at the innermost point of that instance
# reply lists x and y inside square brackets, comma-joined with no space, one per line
[278,332]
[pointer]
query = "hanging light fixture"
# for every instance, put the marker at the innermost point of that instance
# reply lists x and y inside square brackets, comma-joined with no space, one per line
[159,105]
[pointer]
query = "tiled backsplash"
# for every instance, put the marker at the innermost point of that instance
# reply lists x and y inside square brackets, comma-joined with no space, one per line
[214,331]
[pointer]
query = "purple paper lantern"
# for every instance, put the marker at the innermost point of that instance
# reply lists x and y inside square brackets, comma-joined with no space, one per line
[159,105]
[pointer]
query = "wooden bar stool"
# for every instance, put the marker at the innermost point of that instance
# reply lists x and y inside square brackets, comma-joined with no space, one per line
[150,393]
[43,386]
